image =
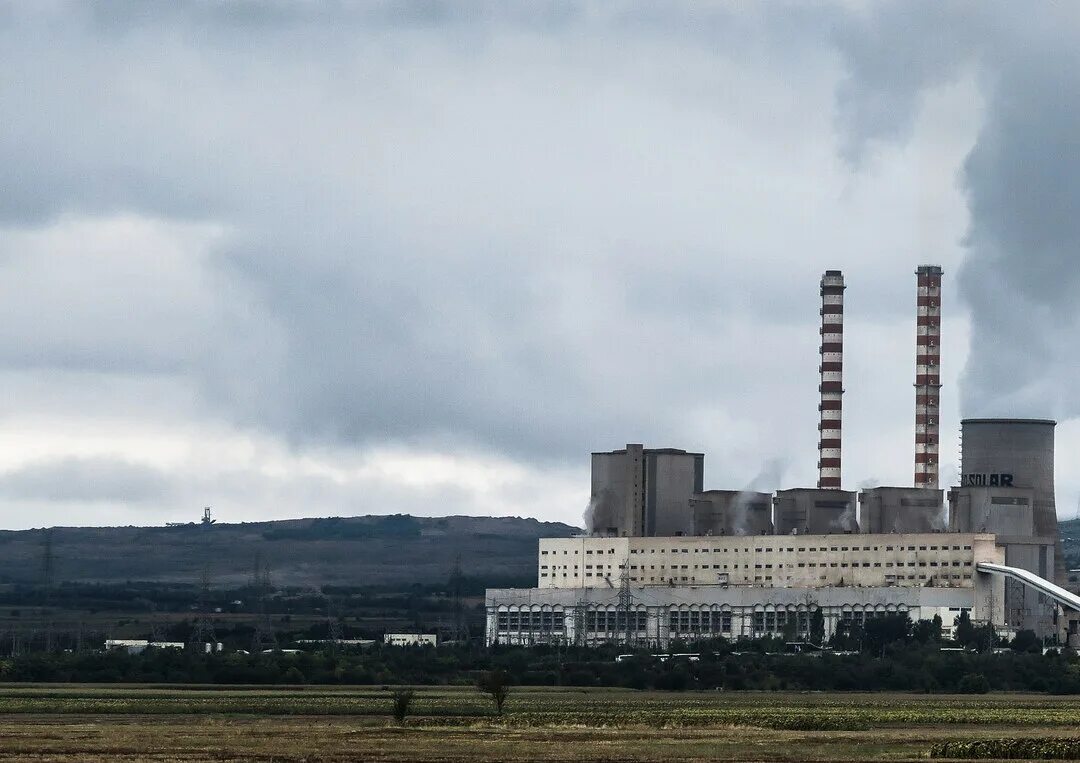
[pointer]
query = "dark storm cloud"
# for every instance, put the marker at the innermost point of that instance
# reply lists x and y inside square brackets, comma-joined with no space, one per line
[85,480]
[1021,278]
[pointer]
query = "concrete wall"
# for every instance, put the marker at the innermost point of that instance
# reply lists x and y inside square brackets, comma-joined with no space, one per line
[814,511]
[901,510]
[732,512]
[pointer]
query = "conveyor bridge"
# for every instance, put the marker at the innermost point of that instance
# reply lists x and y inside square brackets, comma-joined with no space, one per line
[1030,579]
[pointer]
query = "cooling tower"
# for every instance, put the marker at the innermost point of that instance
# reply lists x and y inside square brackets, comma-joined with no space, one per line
[1012,453]
[1007,488]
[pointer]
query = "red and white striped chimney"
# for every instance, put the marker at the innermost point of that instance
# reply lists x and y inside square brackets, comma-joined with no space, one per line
[832,378]
[927,375]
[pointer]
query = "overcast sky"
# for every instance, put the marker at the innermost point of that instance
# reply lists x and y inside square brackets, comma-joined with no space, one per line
[314,259]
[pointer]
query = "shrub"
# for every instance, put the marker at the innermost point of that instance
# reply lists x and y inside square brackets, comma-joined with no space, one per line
[293,676]
[973,683]
[496,685]
[402,699]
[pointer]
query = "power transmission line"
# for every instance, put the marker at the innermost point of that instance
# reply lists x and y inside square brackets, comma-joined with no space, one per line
[264,637]
[203,632]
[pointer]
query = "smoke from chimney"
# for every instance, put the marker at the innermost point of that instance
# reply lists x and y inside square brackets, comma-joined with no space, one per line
[601,513]
[767,480]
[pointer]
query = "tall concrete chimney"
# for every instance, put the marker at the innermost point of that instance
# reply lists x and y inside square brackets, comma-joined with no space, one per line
[832,378]
[927,375]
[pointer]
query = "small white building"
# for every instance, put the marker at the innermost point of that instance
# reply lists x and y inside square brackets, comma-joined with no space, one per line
[138,646]
[410,639]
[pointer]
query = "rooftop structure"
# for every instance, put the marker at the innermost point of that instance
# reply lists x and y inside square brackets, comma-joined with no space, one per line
[732,512]
[902,510]
[640,491]
[802,511]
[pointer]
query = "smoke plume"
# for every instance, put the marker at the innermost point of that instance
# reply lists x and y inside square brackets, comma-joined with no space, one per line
[601,513]
[1021,274]
[766,480]
[846,522]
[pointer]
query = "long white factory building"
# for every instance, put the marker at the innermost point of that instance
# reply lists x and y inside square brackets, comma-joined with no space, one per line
[665,559]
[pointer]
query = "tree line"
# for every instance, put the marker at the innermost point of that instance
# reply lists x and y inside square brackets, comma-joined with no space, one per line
[883,663]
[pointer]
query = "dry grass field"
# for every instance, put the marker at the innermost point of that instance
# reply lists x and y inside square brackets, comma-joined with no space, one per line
[315,724]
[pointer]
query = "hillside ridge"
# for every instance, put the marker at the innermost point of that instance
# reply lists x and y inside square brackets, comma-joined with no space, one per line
[367,550]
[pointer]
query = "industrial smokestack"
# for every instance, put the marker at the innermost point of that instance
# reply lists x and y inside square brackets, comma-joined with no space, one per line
[832,378]
[927,375]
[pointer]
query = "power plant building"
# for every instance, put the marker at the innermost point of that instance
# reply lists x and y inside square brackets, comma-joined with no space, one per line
[1007,488]
[742,586]
[803,511]
[902,510]
[732,512]
[643,491]
[664,559]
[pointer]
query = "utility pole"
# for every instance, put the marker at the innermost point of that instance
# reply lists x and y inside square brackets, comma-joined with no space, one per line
[625,600]
[333,624]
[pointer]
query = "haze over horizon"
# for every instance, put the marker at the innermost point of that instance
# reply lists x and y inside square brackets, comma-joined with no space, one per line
[289,260]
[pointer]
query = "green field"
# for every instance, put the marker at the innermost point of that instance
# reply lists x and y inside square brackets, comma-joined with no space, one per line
[42,723]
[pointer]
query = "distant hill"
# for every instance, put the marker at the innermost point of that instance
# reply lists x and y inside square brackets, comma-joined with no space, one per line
[371,551]
[396,550]
[1070,541]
